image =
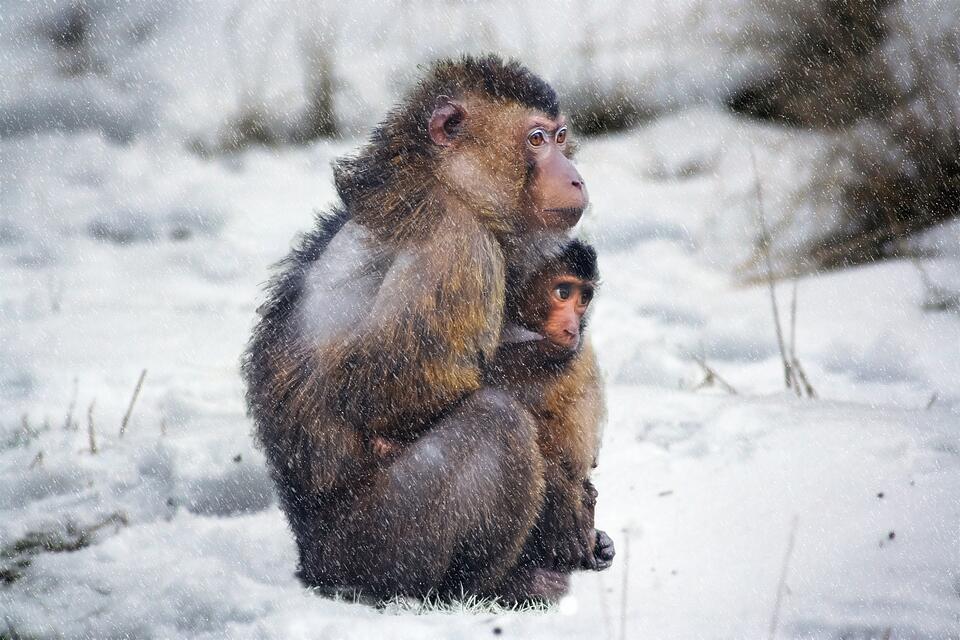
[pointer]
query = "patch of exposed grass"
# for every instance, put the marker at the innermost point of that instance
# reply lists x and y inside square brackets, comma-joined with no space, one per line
[466,604]
[15,557]
[434,604]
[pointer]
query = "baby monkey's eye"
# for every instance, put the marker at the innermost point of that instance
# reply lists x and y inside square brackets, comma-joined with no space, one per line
[562,291]
[586,296]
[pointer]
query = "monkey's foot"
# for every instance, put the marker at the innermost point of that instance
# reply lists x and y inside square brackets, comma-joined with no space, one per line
[603,552]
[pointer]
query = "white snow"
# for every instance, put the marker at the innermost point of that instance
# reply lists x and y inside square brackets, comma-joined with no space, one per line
[122,250]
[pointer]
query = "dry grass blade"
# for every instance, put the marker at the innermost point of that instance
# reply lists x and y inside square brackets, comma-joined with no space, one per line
[782,584]
[801,380]
[90,427]
[133,401]
[68,423]
[794,377]
[765,246]
[711,377]
[793,321]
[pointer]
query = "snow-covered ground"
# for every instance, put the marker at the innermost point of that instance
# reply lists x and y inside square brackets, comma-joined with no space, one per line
[123,250]
[118,258]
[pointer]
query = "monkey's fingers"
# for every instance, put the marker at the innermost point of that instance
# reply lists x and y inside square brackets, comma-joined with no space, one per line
[604,552]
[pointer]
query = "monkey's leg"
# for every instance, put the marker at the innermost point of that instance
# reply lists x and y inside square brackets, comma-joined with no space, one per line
[450,513]
[563,538]
[603,550]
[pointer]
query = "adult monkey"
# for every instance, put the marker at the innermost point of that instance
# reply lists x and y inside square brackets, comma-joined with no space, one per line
[381,322]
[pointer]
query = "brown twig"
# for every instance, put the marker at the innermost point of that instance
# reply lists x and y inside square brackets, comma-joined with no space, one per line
[133,400]
[37,460]
[711,377]
[765,239]
[795,378]
[802,379]
[90,427]
[800,376]
[793,321]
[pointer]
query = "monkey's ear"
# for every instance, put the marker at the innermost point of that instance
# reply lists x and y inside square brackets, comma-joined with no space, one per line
[446,117]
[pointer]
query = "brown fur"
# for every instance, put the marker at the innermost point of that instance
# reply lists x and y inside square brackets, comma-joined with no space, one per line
[571,415]
[435,227]
[568,410]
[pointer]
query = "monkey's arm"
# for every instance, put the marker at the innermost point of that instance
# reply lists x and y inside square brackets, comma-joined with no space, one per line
[563,538]
[569,422]
[420,349]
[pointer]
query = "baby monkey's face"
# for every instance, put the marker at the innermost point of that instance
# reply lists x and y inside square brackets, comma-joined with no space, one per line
[567,300]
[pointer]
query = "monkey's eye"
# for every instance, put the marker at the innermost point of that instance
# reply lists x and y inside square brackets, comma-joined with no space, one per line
[537,138]
[562,291]
[586,296]
[561,135]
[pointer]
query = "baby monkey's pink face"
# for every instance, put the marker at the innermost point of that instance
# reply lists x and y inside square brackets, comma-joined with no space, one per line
[568,301]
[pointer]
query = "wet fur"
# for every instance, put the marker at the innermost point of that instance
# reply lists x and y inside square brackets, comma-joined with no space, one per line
[437,253]
[565,398]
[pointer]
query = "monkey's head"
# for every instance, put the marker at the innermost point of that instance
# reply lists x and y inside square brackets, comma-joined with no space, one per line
[482,132]
[549,313]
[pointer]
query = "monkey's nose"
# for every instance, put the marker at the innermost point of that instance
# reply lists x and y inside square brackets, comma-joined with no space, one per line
[578,183]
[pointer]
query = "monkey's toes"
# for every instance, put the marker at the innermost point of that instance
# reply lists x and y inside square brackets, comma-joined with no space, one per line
[604,551]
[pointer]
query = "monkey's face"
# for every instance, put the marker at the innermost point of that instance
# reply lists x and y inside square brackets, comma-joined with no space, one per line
[569,299]
[514,163]
[557,193]
[553,313]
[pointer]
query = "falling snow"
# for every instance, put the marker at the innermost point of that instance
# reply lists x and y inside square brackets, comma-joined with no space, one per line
[155,158]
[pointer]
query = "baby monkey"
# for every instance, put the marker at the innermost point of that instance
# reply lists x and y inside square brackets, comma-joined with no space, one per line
[546,363]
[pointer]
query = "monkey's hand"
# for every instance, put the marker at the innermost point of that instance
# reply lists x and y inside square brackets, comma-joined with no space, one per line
[603,552]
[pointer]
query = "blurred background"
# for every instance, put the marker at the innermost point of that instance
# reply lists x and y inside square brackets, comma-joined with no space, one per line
[873,83]
[775,189]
